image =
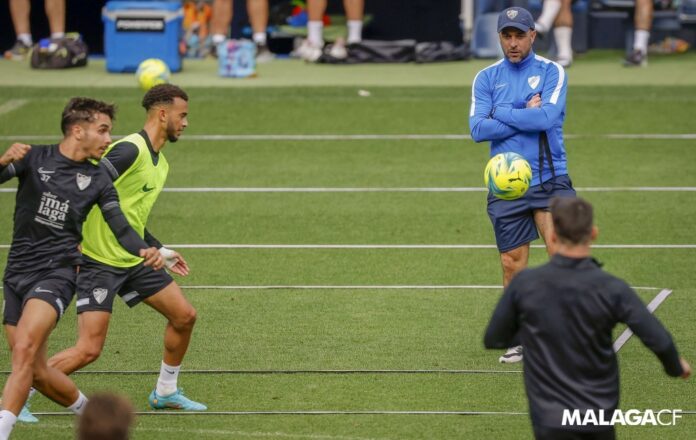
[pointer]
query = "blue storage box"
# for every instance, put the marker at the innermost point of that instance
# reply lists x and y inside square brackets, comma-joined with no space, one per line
[137,30]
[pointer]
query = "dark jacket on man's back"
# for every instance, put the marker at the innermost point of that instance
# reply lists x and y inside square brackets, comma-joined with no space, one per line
[565,311]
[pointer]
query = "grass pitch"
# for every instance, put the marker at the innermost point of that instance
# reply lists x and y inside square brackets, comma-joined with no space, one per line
[245,337]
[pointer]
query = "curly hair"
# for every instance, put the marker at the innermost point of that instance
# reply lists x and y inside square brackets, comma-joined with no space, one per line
[163,94]
[81,109]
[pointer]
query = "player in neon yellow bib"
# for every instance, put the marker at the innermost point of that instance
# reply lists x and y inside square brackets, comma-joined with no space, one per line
[139,171]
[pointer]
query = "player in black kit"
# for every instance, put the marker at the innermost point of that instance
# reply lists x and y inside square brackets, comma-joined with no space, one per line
[58,185]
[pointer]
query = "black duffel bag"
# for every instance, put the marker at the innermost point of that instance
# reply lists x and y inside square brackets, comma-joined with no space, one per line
[59,53]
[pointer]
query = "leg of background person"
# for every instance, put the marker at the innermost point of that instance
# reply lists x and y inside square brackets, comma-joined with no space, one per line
[181,317]
[514,261]
[258,18]
[19,10]
[563,34]
[315,25]
[544,224]
[55,12]
[92,329]
[355,11]
[549,12]
[220,21]
[643,23]
[53,383]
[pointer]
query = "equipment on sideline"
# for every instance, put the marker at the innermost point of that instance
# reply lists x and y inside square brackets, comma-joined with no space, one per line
[152,72]
[507,176]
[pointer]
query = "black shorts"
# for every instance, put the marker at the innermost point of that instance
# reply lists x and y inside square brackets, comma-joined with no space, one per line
[544,433]
[54,286]
[98,284]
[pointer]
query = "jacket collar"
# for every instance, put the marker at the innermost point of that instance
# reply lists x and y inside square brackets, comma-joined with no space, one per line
[577,263]
[522,64]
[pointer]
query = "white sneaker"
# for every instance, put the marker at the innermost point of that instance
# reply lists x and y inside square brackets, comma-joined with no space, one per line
[308,52]
[514,354]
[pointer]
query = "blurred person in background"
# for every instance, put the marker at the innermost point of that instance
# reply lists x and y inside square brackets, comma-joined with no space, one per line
[311,48]
[20,10]
[258,18]
[642,21]
[557,14]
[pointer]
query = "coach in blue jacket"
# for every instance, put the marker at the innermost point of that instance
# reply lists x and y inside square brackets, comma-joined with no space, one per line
[518,104]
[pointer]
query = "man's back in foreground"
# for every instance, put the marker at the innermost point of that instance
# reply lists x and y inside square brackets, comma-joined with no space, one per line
[564,312]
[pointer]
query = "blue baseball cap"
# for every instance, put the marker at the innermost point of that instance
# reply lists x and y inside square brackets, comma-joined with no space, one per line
[516,17]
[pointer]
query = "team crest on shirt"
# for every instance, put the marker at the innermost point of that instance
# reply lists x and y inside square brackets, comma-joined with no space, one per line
[512,14]
[100,294]
[83,181]
[533,81]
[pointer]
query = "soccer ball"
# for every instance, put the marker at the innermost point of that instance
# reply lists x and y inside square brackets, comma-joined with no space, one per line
[152,72]
[507,176]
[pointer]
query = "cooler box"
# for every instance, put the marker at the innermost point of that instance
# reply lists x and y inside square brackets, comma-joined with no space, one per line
[137,30]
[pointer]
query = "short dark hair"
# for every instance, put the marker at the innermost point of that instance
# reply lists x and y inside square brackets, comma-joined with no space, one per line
[84,110]
[106,417]
[163,94]
[572,219]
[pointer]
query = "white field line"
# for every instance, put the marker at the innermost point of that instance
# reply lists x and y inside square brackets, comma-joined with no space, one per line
[362,287]
[402,246]
[293,372]
[309,413]
[361,137]
[398,190]
[652,306]
[12,105]
[223,433]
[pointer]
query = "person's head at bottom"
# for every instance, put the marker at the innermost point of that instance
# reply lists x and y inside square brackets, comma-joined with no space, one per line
[107,416]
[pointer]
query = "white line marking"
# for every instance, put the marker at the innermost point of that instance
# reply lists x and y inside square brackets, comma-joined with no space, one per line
[361,137]
[395,287]
[400,190]
[376,287]
[652,306]
[308,413]
[402,246]
[410,246]
[225,433]
[291,372]
[12,105]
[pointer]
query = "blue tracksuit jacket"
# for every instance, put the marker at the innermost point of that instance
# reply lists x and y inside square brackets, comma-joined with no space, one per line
[498,111]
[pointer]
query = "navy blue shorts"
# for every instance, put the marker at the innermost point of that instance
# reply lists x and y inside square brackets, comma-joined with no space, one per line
[513,220]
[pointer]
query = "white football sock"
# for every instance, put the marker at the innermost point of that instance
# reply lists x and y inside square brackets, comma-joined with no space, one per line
[55,35]
[315,33]
[219,38]
[166,384]
[564,36]
[549,11]
[640,40]
[25,38]
[354,31]
[79,406]
[7,422]
[259,38]
[32,391]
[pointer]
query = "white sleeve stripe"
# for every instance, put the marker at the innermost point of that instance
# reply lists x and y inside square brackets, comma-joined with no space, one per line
[473,87]
[12,169]
[561,78]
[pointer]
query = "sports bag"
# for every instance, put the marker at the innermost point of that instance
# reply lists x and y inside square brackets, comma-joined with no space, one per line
[59,53]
